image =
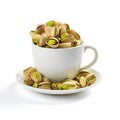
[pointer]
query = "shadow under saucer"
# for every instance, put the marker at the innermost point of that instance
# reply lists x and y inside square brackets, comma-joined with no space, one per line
[16,95]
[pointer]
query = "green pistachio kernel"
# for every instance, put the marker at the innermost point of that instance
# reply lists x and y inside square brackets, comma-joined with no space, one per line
[52,42]
[64,36]
[35,85]
[50,23]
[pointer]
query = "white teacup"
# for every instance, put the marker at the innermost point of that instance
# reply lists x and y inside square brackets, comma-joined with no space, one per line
[61,63]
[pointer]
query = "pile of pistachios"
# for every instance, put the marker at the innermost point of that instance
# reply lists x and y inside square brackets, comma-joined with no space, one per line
[55,34]
[35,79]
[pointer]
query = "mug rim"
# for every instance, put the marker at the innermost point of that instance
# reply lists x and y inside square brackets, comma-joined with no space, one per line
[59,48]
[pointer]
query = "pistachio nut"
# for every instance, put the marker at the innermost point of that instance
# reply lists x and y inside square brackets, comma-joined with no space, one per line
[52,42]
[82,73]
[82,81]
[28,81]
[54,31]
[62,30]
[45,85]
[35,85]
[40,28]
[91,78]
[73,43]
[50,23]
[35,36]
[36,76]
[43,39]
[59,86]
[54,86]
[67,26]
[75,34]
[65,45]
[70,84]
[28,71]
[67,38]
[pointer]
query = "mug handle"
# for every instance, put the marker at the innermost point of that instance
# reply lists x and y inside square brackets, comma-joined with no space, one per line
[95,57]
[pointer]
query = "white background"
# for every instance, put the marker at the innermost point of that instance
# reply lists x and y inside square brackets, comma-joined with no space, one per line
[97,21]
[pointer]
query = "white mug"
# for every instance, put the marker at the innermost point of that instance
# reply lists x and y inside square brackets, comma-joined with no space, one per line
[59,64]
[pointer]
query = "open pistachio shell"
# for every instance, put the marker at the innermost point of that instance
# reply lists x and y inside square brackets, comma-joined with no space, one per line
[52,42]
[36,76]
[34,35]
[59,86]
[45,85]
[70,38]
[54,86]
[75,34]
[43,39]
[70,84]
[82,73]
[40,28]
[91,78]
[28,71]
[54,31]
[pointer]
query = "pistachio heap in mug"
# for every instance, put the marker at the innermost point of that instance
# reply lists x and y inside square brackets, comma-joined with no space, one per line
[54,34]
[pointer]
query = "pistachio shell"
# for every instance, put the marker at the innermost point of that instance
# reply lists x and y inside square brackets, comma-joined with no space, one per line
[70,84]
[36,76]
[82,81]
[28,81]
[50,23]
[51,42]
[65,45]
[59,86]
[40,28]
[67,26]
[62,30]
[91,78]
[54,86]
[68,39]
[27,71]
[75,34]
[48,30]
[43,39]
[82,73]
[44,83]
[34,35]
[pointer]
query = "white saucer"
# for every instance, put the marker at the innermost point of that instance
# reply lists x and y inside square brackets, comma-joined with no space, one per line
[19,77]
